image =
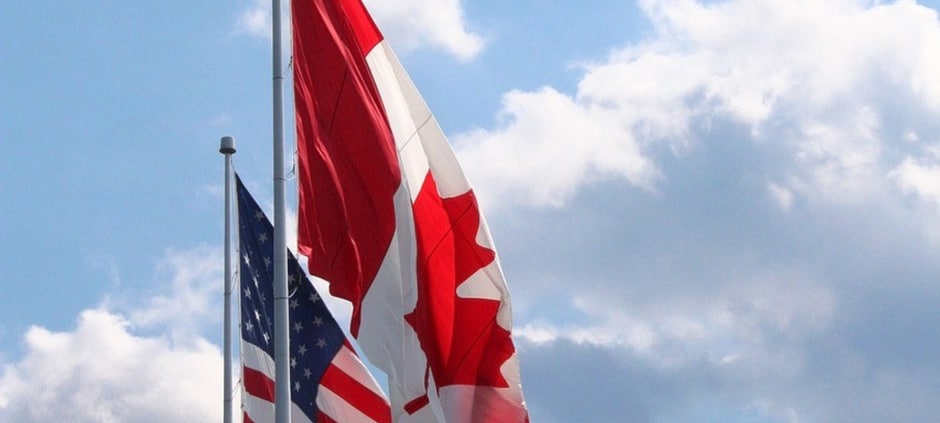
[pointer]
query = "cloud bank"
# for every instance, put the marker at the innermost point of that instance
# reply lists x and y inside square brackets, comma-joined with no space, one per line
[841,90]
[735,219]
[148,364]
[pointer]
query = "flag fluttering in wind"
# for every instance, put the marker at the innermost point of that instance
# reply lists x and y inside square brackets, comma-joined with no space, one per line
[388,218]
[328,380]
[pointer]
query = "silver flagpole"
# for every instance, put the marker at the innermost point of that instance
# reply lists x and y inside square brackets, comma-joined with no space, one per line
[282,399]
[227,148]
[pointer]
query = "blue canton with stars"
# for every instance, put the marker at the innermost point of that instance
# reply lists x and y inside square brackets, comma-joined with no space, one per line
[315,337]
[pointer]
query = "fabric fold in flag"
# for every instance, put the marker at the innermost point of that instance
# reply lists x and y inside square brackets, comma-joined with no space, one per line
[387,216]
[329,381]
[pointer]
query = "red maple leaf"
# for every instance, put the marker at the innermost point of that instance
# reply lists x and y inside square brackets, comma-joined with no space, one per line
[463,342]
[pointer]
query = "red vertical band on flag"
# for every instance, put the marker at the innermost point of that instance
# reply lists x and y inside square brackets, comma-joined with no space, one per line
[348,169]
[362,27]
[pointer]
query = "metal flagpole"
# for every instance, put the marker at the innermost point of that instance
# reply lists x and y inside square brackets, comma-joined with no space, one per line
[227,148]
[282,393]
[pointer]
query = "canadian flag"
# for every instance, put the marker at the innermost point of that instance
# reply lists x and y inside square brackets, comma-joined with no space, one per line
[387,216]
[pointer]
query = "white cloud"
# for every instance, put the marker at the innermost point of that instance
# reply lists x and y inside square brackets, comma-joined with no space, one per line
[552,147]
[127,359]
[102,373]
[729,327]
[408,24]
[255,20]
[703,292]
[194,278]
[783,196]
[128,366]
[920,178]
[819,83]
[411,24]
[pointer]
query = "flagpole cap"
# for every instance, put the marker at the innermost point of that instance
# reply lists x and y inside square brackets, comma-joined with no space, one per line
[227,146]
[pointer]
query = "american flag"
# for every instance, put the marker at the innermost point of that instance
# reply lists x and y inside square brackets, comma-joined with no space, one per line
[328,380]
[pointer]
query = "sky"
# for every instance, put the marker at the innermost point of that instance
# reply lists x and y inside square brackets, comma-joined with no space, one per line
[706,210]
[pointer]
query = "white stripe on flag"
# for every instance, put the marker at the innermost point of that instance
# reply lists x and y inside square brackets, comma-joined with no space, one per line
[259,410]
[258,359]
[296,414]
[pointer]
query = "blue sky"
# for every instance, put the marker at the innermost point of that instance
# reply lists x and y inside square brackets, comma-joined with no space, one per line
[706,210]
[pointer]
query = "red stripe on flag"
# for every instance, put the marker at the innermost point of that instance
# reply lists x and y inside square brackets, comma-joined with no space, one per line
[246,419]
[323,418]
[258,384]
[357,395]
